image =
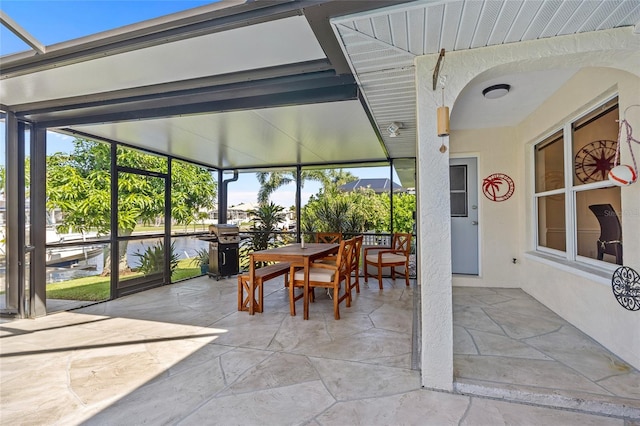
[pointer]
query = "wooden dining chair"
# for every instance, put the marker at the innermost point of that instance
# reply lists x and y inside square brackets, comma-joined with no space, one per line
[353,280]
[389,257]
[354,267]
[328,237]
[325,275]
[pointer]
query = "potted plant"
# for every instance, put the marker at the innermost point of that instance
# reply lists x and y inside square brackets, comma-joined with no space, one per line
[202,259]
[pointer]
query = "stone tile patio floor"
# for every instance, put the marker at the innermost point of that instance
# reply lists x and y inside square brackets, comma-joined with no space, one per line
[182,354]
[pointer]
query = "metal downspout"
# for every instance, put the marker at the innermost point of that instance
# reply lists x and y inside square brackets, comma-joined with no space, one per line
[222,195]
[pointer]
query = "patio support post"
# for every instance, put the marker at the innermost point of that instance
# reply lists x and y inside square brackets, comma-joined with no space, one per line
[434,242]
[167,223]
[114,243]
[391,224]
[298,200]
[15,215]
[38,291]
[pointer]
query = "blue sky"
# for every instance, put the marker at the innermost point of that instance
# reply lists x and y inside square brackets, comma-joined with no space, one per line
[55,21]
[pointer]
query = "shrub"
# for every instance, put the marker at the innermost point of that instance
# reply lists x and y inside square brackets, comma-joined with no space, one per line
[152,259]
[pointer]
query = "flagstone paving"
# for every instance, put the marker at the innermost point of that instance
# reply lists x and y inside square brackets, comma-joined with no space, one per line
[182,354]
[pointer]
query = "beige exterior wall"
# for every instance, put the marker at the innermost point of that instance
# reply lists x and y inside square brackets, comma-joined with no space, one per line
[583,298]
[497,152]
[580,294]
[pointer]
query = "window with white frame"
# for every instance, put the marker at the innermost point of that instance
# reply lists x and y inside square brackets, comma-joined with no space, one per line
[577,208]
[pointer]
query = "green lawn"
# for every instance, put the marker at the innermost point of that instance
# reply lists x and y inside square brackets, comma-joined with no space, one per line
[86,288]
[97,288]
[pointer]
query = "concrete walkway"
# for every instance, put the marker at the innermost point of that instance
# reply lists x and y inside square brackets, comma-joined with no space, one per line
[507,345]
[182,354]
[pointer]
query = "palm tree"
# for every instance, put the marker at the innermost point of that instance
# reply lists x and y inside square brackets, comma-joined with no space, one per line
[271,181]
[331,179]
[266,219]
[341,213]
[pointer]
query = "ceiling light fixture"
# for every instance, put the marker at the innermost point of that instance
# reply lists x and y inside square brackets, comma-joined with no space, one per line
[394,129]
[496,91]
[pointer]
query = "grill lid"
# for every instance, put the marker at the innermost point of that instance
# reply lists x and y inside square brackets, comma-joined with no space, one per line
[222,229]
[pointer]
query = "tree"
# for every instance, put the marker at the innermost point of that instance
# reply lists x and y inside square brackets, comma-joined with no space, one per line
[404,206]
[346,212]
[271,181]
[193,190]
[79,184]
[27,176]
[265,225]
[331,179]
[358,211]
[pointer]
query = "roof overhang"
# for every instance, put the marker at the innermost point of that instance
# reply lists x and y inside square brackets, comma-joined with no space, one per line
[381,46]
[254,84]
[243,86]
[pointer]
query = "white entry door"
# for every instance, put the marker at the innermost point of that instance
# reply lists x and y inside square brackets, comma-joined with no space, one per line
[463,177]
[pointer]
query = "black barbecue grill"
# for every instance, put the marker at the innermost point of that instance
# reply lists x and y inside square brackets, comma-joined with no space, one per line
[224,243]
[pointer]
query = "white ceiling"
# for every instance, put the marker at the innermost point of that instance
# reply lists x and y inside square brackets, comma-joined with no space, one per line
[381,46]
[307,134]
[528,90]
[263,45]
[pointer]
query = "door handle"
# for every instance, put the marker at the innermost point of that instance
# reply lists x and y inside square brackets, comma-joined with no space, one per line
[474,222]
[224,258]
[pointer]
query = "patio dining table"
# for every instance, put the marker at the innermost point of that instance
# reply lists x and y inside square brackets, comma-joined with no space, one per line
[296,255]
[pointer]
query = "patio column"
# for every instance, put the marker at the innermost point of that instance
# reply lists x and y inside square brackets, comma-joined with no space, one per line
[434,230]
[38,290]
[15,291]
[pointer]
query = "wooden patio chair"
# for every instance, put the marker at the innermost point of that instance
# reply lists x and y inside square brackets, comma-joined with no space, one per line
[328,238]
[354,267]
[325,275]
[391,257]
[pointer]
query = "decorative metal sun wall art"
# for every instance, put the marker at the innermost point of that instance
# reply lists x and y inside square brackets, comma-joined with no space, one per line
[625,284]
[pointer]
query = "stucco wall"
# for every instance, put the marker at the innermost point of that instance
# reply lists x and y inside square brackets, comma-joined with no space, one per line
[496,153]
[583,298]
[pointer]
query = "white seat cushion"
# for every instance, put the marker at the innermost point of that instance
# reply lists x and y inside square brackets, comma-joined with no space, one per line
[316,274]
[387,258]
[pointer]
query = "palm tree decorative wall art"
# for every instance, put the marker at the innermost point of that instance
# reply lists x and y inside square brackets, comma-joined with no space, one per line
[498,187]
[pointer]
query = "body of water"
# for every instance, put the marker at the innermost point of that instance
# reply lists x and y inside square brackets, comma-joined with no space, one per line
[185,247]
